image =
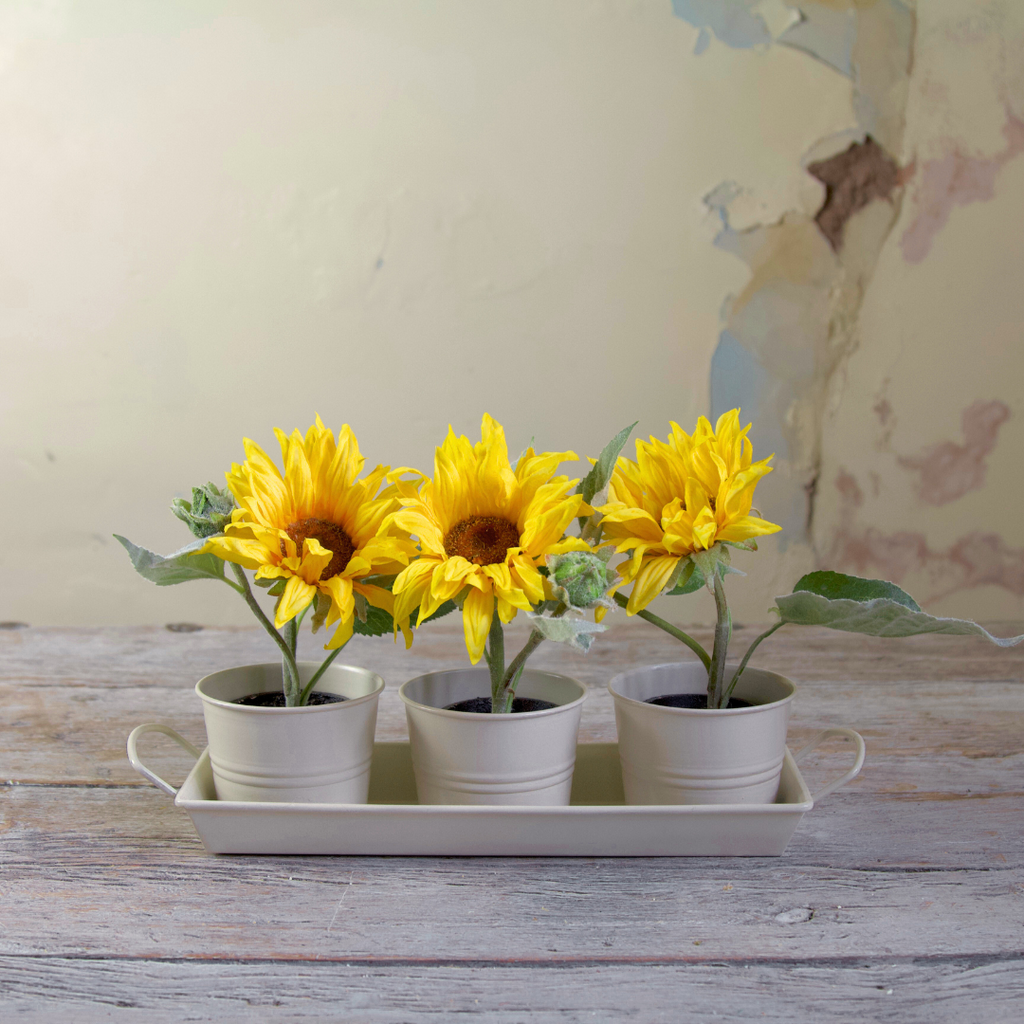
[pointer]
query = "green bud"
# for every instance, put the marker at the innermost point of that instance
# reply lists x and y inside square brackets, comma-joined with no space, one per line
[207,513]
[581,579]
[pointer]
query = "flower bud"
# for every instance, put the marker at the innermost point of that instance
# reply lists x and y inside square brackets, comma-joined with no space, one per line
[207,513]
[580,579]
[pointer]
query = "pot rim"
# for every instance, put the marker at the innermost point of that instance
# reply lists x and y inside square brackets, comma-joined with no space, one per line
[703,712]
[480,716]
[248,709]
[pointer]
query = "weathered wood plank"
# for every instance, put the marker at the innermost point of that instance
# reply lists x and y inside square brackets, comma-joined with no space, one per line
[911,879]
[935,991]
[118,889]
[154,656]
[949,738]
[57,828]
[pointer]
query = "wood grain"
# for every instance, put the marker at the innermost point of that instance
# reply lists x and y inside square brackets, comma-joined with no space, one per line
[893,991]
[900,898]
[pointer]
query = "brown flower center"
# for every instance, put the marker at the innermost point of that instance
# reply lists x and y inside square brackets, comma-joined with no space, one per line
[482,540]
[330,535]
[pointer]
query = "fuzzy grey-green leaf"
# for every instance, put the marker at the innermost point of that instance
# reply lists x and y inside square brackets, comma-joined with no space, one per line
[180,567]
[689,581]
[601,472]
[838,585]
[878,617]
[575,632]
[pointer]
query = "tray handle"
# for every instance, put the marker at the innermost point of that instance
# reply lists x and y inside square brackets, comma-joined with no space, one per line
[858,763]
[136,762]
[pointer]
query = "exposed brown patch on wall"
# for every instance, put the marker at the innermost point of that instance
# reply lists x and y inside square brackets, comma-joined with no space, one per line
[974,560]
[852,179]
[949,470]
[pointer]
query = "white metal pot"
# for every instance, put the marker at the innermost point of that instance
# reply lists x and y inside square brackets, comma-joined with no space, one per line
[700,756]
[464,757]
[318,754]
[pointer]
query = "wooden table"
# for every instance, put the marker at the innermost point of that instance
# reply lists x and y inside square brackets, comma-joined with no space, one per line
[900,898]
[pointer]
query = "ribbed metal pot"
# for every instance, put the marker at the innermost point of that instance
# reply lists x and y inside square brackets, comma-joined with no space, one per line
[318,754]
[468,758]
[692,756]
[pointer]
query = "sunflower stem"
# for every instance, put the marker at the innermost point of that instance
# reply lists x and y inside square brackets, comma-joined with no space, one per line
[746,657]
[675,631]
[495,654]
[291,634]
[511,678]
[290,672]
[717,697]
[324,665]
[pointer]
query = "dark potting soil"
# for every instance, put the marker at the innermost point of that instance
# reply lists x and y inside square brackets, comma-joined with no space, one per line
[275,699]
[482,705]
[692,700]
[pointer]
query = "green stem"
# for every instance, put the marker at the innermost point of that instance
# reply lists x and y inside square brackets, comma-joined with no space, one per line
[723,634]
[746,657]
[324,665]
[290,675]
[291,634]
[511,678]
[495,653]
[685,638]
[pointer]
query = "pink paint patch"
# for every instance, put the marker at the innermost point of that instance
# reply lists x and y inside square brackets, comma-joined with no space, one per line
[955,180]
[948,470]
[974,560]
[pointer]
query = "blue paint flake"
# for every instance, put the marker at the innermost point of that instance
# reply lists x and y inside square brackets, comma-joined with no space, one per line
[732,21]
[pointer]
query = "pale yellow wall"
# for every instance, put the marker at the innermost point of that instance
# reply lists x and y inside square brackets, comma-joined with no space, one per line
[221,217]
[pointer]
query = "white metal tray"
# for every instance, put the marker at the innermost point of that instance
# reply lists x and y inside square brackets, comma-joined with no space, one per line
[597,823]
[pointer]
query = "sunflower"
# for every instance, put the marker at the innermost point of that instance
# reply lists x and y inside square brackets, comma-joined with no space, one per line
[484,528]
[316,527]
[680,497]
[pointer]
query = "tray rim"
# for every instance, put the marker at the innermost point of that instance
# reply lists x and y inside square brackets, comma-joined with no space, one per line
[254,808]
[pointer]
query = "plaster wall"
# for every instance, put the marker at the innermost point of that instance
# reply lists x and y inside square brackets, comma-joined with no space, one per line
[224,217]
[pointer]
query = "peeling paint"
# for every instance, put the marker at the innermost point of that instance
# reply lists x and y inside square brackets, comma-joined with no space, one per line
[796,319]
[955,180]
[734,23]
[825,31]
[974,560]
[949,470]
[852,179]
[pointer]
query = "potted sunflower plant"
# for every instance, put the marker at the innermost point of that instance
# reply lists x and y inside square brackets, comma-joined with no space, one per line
[493,538]
[293,730]
[713,730]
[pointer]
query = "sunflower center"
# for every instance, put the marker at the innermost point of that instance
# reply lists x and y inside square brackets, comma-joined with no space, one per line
[330,535]
[482,540]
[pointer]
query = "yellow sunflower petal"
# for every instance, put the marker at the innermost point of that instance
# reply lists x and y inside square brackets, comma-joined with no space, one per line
[341,635]
[249,554]
[297,594]
[650,581]
[477,612]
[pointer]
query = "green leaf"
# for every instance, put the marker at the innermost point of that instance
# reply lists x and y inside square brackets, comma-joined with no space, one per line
[601,472]
[689,581]
[378,622]
[744,545]
[321,606]
[877,608]
[576,633]
[714,560]
[838,586]
[182,566]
